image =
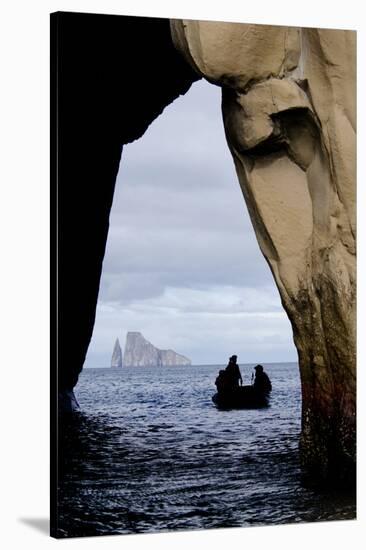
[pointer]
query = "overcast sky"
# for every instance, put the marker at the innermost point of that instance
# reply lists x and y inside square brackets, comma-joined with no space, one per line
[182,264]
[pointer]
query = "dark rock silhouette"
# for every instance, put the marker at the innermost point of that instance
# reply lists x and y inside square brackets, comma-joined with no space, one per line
[111,76]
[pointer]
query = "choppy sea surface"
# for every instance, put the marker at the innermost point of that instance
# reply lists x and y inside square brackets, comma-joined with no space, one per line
[150,452]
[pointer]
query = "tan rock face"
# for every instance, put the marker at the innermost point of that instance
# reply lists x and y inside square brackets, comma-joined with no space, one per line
[288,105]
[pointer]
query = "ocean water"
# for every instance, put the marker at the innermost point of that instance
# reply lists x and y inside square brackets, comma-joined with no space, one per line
[150,452]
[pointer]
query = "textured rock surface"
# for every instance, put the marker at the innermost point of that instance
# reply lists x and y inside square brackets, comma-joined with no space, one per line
[141,353]
[116,360]
[289,115]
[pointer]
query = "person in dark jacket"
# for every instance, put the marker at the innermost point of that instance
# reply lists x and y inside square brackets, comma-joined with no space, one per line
[233,373]
[262,382]
[221,382]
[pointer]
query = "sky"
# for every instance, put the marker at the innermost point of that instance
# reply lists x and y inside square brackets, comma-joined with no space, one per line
[182,264]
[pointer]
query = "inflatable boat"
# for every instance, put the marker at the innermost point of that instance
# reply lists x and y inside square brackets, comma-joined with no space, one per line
[243,397]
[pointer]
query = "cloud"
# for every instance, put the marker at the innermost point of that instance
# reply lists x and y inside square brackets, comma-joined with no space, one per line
[219,300]
[146,264]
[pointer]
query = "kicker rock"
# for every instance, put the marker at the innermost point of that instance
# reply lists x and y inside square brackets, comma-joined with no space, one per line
[116,360]
[288,105]
[141,353]
[168,358]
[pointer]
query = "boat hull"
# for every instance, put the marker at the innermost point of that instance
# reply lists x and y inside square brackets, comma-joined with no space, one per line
[243,397]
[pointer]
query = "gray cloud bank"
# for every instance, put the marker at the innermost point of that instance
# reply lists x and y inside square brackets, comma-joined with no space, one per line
[182,264]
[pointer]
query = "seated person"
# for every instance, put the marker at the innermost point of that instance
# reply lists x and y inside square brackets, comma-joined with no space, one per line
[222,382]
[261,382]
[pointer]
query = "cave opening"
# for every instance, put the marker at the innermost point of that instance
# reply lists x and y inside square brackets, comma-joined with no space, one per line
[182,264]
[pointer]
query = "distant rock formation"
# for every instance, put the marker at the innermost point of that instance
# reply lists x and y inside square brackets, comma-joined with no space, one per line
[141,353]
[116,360]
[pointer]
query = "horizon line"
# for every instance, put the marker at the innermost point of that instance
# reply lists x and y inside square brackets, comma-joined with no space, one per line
[192,365]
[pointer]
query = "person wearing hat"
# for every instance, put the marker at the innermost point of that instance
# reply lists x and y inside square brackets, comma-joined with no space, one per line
[262,382]
[233,373]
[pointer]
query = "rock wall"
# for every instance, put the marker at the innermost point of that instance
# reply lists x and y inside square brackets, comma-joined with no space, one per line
[288,102]
[139,352]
